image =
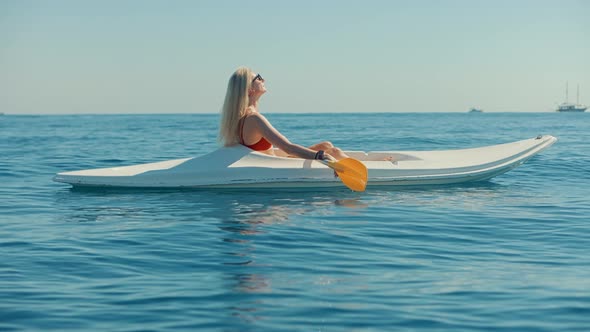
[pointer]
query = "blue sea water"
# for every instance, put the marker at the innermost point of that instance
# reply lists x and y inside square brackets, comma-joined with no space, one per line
[509,254]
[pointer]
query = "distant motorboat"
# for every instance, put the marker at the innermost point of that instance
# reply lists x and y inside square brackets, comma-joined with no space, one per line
[475,110]
[569,107]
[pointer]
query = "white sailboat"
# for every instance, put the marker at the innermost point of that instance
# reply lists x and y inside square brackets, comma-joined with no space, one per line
[569,107]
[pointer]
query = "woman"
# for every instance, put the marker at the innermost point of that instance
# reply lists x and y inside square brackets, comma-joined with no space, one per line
[241,123]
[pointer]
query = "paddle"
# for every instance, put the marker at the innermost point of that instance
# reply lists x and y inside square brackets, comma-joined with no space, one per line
[352,172]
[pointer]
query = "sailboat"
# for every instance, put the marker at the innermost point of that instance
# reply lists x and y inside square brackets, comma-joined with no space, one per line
[569,107]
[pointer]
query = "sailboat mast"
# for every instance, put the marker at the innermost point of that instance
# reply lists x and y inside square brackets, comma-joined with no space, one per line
[578,95]
[566,88]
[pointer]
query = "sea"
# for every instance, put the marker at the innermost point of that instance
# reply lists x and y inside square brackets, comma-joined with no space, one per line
[508,254]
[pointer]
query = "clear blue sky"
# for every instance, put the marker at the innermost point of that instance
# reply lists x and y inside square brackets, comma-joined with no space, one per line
[316,56]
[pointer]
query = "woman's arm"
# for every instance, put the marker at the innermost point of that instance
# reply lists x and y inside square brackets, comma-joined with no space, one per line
[278,140]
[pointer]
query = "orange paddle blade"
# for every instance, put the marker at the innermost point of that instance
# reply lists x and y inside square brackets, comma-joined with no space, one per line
[352,172]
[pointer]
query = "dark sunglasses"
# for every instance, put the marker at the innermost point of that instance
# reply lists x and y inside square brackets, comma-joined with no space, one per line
[258,77]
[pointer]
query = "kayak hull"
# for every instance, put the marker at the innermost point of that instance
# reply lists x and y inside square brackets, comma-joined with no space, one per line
[240,167]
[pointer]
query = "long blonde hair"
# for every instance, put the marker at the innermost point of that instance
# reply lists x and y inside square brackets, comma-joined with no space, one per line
[235,106]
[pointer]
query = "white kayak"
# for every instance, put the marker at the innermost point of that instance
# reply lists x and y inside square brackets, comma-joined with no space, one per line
[240,167]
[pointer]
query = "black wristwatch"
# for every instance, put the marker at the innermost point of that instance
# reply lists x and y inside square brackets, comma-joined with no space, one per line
[319,155]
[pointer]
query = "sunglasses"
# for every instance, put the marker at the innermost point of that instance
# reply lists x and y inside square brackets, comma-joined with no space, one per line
[258,77]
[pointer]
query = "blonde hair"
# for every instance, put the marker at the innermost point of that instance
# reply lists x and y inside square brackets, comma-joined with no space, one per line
[235,106]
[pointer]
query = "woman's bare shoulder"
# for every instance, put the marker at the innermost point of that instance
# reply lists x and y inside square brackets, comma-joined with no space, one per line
[256,120]
[256,117]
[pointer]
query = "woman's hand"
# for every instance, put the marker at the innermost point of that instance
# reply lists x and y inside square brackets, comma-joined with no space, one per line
[329,158]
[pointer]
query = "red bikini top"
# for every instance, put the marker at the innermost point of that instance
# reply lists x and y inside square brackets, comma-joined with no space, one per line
[261,145]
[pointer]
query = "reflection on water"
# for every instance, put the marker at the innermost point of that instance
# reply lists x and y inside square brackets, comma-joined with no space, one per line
[351,203]
[251,283]
[238,231]
[247,219]
[232,225]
